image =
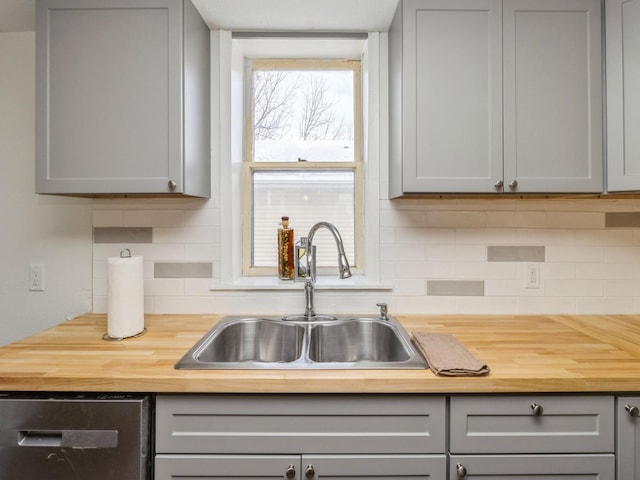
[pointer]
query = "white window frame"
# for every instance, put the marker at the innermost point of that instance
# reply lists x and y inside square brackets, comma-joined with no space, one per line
[228,154]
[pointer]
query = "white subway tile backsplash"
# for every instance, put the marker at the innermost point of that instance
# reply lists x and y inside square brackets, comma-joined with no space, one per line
[186,234]
[108,218]
[604,237]
[459,219]
[556,287]
[576,254]
[526,219]
[546,304]
[485,236]
[456,253]
[607,271]
[588,267]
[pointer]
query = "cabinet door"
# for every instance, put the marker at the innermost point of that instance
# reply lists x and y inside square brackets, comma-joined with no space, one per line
[628,439]
[452,87]
[552,96]
[108,96]
[532,467]
[380,467]
[623,97]
[255,467]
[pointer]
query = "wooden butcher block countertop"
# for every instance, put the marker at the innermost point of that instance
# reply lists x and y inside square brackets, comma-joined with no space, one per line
[541,353]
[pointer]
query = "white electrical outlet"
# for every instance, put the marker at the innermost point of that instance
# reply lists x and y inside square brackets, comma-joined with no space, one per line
[36,277]
[532,275]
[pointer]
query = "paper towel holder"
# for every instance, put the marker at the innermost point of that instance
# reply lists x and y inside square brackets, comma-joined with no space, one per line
[126,253]
[117,339]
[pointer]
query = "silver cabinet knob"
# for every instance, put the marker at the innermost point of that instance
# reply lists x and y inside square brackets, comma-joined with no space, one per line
[537,409]
[172,185]
[290,472]
[632,410]
[499,184]
[513,184]
[461,471]
[309,472]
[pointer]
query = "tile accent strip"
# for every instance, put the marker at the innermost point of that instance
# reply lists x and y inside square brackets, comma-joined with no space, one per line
[622,219]
[122,235]
[455,288]
[515,254]
[182,270]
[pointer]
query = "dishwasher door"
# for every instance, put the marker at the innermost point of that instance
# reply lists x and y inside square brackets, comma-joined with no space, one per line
[79,437]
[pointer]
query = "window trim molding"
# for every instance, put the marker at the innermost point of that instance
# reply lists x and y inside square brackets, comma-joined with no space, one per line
[227,155]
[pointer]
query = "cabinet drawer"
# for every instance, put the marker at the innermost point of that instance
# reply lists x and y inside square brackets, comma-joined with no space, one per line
[271,424]
[513,424]
[533,467]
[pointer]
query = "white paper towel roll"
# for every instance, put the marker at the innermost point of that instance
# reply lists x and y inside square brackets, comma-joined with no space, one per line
[125,296]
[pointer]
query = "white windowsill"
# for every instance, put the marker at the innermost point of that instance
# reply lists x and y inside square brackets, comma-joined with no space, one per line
[357,282]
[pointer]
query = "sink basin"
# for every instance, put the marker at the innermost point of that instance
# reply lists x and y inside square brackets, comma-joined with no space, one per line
[356,341]
[258,340]
[305,343]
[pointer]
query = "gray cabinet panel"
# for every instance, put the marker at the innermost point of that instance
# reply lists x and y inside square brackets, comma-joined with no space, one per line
[508,424]
[552,106]
[447,120]
[533,467]
[300,423]
[122,95]
[628,439]
[623,100]
[248,467]
[381,467]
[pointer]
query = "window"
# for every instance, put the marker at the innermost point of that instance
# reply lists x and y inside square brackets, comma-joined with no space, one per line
[302,157]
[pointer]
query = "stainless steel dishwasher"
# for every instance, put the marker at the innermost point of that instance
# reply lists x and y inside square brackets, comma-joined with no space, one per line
[74,437]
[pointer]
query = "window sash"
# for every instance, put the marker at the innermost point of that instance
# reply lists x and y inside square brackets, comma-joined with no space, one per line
[249,166]
[247,178]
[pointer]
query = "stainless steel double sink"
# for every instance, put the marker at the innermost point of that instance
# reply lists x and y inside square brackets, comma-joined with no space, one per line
[320,342]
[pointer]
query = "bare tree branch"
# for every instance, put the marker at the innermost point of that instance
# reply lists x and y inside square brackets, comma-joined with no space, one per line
[273,93]
[317,115]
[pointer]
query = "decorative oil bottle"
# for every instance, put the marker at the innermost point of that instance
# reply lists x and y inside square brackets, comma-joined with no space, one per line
[286,260]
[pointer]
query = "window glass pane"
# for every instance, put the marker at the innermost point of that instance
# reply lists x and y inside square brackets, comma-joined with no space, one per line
[303,115]
[306,197]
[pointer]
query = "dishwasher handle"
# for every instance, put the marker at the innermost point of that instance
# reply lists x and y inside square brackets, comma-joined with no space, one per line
[80,439]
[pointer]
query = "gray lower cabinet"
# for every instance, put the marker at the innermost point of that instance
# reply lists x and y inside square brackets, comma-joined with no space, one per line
[300,436]
[537,436]
[295,467]
[122,98]
[628,438]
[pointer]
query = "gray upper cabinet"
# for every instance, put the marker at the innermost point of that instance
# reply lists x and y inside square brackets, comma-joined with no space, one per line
[122,96]
[623,99]
[483,99]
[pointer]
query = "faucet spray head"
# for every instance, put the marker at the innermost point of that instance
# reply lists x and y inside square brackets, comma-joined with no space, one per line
[343,266]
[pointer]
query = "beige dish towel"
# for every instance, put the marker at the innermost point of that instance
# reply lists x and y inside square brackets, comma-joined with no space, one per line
[446,356]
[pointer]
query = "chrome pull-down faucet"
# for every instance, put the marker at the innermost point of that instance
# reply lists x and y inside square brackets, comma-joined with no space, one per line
[310,258]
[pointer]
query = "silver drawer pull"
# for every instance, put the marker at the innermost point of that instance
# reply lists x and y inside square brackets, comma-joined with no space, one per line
[632,410]
[537,409]
[290,472]
[461,471]
[309,472]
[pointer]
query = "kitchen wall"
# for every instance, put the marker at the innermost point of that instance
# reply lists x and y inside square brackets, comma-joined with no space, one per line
[52,231]
[439,255]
